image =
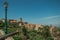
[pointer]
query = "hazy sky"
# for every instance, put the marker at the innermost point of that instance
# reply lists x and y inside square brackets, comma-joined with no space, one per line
[33,11]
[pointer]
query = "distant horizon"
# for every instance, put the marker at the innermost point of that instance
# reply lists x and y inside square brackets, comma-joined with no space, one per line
[32,23]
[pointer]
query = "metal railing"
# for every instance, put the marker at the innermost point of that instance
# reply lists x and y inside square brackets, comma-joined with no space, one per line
[8,35]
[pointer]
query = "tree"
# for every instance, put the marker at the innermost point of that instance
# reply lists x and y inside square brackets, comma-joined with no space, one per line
[1,25]
[46,32]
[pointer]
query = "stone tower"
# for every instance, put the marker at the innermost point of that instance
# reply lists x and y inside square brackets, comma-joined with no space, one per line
[20,19]
[20,22]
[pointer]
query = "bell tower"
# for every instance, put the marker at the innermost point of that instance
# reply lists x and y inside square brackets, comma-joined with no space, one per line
[20,22]
[20,19]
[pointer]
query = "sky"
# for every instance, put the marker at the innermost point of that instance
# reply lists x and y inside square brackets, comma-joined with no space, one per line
[33,11]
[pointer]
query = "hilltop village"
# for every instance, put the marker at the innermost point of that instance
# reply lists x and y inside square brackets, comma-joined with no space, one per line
[43,31]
